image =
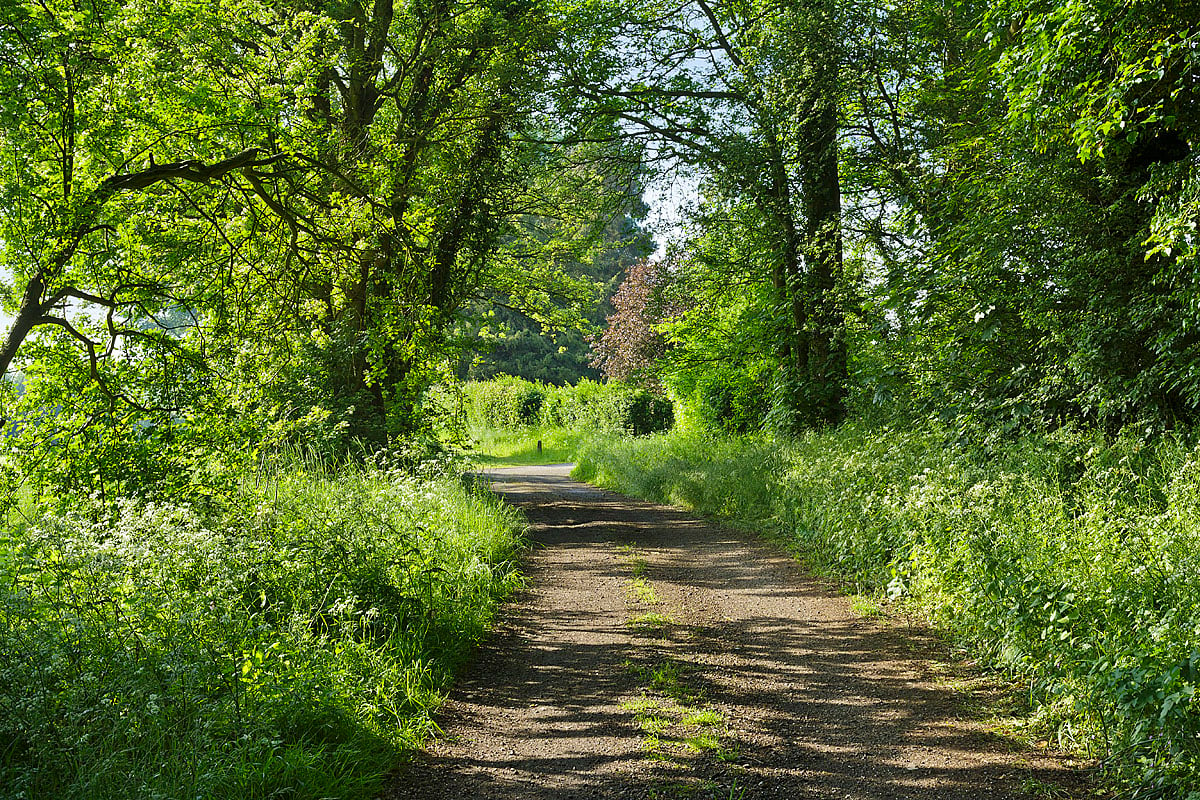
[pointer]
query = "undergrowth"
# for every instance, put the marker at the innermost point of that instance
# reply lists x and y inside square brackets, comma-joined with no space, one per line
[1070,560]
[291,644]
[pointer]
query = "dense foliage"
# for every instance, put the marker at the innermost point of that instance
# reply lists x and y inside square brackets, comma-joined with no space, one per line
[284,209]
[509,342]
[512,403]
[982,209]
[291,644]
[1015,242]
[745,95]
[231,227]
[1068,560]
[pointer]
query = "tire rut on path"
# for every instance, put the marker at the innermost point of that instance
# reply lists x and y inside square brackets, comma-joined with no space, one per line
[654,655]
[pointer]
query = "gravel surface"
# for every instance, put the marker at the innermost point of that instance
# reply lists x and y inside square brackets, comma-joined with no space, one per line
[654,655]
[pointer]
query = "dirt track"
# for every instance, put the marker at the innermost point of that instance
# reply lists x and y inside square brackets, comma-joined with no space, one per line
[657,656]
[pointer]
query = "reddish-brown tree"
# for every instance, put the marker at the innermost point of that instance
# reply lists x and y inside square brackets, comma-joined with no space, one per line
[631,345]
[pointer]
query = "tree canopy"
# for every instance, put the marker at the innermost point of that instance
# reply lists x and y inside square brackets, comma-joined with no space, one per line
[985,211]
[281,209]
[308,213]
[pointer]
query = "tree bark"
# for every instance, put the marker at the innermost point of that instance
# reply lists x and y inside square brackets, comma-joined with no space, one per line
[822,206]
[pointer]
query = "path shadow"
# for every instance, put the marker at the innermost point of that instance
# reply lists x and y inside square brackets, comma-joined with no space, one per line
[838,707]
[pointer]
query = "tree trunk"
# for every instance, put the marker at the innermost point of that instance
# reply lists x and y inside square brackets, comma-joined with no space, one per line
[822,206]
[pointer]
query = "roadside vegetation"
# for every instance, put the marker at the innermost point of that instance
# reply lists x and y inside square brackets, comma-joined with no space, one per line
[671,709]
[292,641]
[928,314]
[506,418]
[1069,560]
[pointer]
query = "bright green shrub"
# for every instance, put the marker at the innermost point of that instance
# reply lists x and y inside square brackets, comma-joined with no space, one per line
[622,408]
[504,403]
[1064,558]
[289,647]
[510,403]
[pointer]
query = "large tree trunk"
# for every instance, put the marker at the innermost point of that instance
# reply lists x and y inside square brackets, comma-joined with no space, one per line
[811,385]
[822,207]
[793,344]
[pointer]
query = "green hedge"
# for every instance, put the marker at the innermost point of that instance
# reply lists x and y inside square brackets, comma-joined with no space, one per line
[1071,560]
[510,403]
[504,403]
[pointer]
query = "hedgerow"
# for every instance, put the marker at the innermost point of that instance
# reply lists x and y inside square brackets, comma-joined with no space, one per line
[507,403]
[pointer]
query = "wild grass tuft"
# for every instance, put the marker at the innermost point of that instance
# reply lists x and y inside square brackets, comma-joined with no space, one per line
[672,714]
[641,591]
[650,622]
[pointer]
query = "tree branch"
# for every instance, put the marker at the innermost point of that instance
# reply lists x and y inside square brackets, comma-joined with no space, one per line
[34,306]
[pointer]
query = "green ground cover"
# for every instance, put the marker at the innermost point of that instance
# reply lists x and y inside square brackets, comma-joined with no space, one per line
[1068,559]
[290,644]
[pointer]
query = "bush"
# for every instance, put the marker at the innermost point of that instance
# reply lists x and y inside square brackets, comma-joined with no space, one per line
[291,646]
[733,401]
[1070,560]
[512,403]
[504,403]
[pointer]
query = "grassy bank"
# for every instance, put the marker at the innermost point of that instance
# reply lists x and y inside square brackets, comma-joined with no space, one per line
[1069,560]
[291,645]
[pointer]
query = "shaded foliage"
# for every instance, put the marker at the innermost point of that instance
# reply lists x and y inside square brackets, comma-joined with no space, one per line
[1018,210]
[505,341]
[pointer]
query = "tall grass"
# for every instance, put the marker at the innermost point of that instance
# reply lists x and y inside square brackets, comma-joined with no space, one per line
[292,645]
[1067,559]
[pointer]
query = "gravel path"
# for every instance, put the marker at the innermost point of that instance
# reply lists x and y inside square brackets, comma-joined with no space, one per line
[657,656]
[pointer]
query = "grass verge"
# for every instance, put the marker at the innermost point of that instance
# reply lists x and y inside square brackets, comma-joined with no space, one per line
[519,447]
[291,645]
[1068,560]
